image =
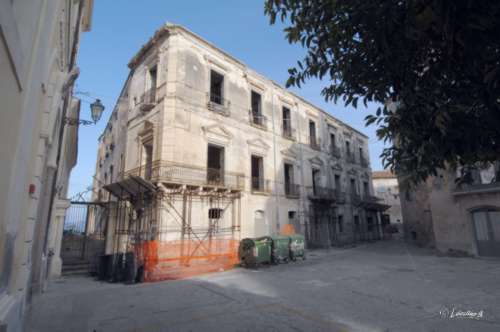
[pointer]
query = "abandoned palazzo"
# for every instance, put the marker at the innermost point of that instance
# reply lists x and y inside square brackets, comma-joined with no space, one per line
[201,151]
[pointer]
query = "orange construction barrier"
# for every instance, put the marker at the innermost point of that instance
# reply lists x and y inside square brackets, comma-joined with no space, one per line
[168,260]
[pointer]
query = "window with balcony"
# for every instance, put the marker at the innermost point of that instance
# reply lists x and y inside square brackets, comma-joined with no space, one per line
[148,160]
[315,181]
[148,98]
[256,116]
[313,141]
[215,164]
[257,173]
[353,188]
[216,87]
[290,188]
[334,150]
[287,122]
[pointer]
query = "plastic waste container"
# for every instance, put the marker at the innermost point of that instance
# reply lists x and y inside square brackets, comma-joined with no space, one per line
[254,252]
[280,249]
[297,247]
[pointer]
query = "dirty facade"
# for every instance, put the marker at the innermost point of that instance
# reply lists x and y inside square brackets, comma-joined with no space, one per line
[385,185]
[230,154]
[461,216]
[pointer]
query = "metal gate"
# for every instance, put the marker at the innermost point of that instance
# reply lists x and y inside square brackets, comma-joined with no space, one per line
[84,237]
[487,231]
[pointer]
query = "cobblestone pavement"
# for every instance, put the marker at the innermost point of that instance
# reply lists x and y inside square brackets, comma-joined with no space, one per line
[384,286]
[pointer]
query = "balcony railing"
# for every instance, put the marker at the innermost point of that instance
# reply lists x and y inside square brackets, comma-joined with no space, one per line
[147,100]
[335,150]
[216,103]
[259,185]
[292,190]
[288,132]
[177,173]
[321,193]
[315,143]
[257,119]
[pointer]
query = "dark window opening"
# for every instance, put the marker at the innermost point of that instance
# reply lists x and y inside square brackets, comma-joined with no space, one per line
[148,160]
[256,108]
[215,213]
[289,182]
[413,235]
[337,182]
[356,224]
[152,78]
[215,164]
[366,189]
[312,133]
[216,87]
[315,180]
[348,148]
[287,122]
[353,186]
[291,215]
[369,223]
[341,223]
[257,173]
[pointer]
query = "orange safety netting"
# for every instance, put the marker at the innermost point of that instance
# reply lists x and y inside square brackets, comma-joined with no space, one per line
[182,259]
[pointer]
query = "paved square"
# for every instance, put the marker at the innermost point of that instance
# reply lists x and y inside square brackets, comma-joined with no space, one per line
[384,286]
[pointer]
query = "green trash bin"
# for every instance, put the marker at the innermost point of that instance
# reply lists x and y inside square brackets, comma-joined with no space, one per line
[280,249]
[297,247]
[254,252]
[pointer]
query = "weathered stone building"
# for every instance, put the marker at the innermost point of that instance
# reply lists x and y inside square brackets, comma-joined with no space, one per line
[39,43]
[251,156]
[458,216]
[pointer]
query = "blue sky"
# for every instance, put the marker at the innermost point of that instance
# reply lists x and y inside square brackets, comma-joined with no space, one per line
[238,27]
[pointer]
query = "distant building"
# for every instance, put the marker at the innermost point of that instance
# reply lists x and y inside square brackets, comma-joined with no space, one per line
[455,215]
[385,185]
[206,150]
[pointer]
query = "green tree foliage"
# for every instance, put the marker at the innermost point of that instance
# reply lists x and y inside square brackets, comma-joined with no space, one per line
[439,61]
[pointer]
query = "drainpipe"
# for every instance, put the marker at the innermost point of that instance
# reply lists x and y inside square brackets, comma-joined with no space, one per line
[275,163]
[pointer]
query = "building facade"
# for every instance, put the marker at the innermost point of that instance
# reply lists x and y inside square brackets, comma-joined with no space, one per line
[386,186]
[252,157]
[457,212]
[38,46]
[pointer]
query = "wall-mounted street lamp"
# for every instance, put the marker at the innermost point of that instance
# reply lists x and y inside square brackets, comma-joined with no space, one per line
[96,109]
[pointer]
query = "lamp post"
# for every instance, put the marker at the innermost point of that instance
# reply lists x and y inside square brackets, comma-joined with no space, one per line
[96,109]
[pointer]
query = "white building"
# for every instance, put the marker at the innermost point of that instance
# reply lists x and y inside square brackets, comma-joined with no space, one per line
[232,153]
[38,46]
[385,185]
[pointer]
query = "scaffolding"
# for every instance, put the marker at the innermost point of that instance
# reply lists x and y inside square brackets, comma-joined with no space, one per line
[175,230]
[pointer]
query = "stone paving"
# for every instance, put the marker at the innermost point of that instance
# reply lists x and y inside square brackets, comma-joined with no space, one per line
[384,286]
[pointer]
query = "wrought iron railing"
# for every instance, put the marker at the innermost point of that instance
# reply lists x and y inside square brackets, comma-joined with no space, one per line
[315,143]
[177,173]
[217,104]
[260,185]
[257,119]
[318,192]
[292,189]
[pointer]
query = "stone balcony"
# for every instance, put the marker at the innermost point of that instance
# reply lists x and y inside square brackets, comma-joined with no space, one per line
[257,120]
[147,100]
[181,174]
[217,104]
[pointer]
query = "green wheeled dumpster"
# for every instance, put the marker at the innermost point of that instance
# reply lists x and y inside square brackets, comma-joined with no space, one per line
[254,252]
[297,247]
[280,249]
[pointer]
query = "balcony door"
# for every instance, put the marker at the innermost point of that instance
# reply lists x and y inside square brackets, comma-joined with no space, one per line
[289,179]
[215,164]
